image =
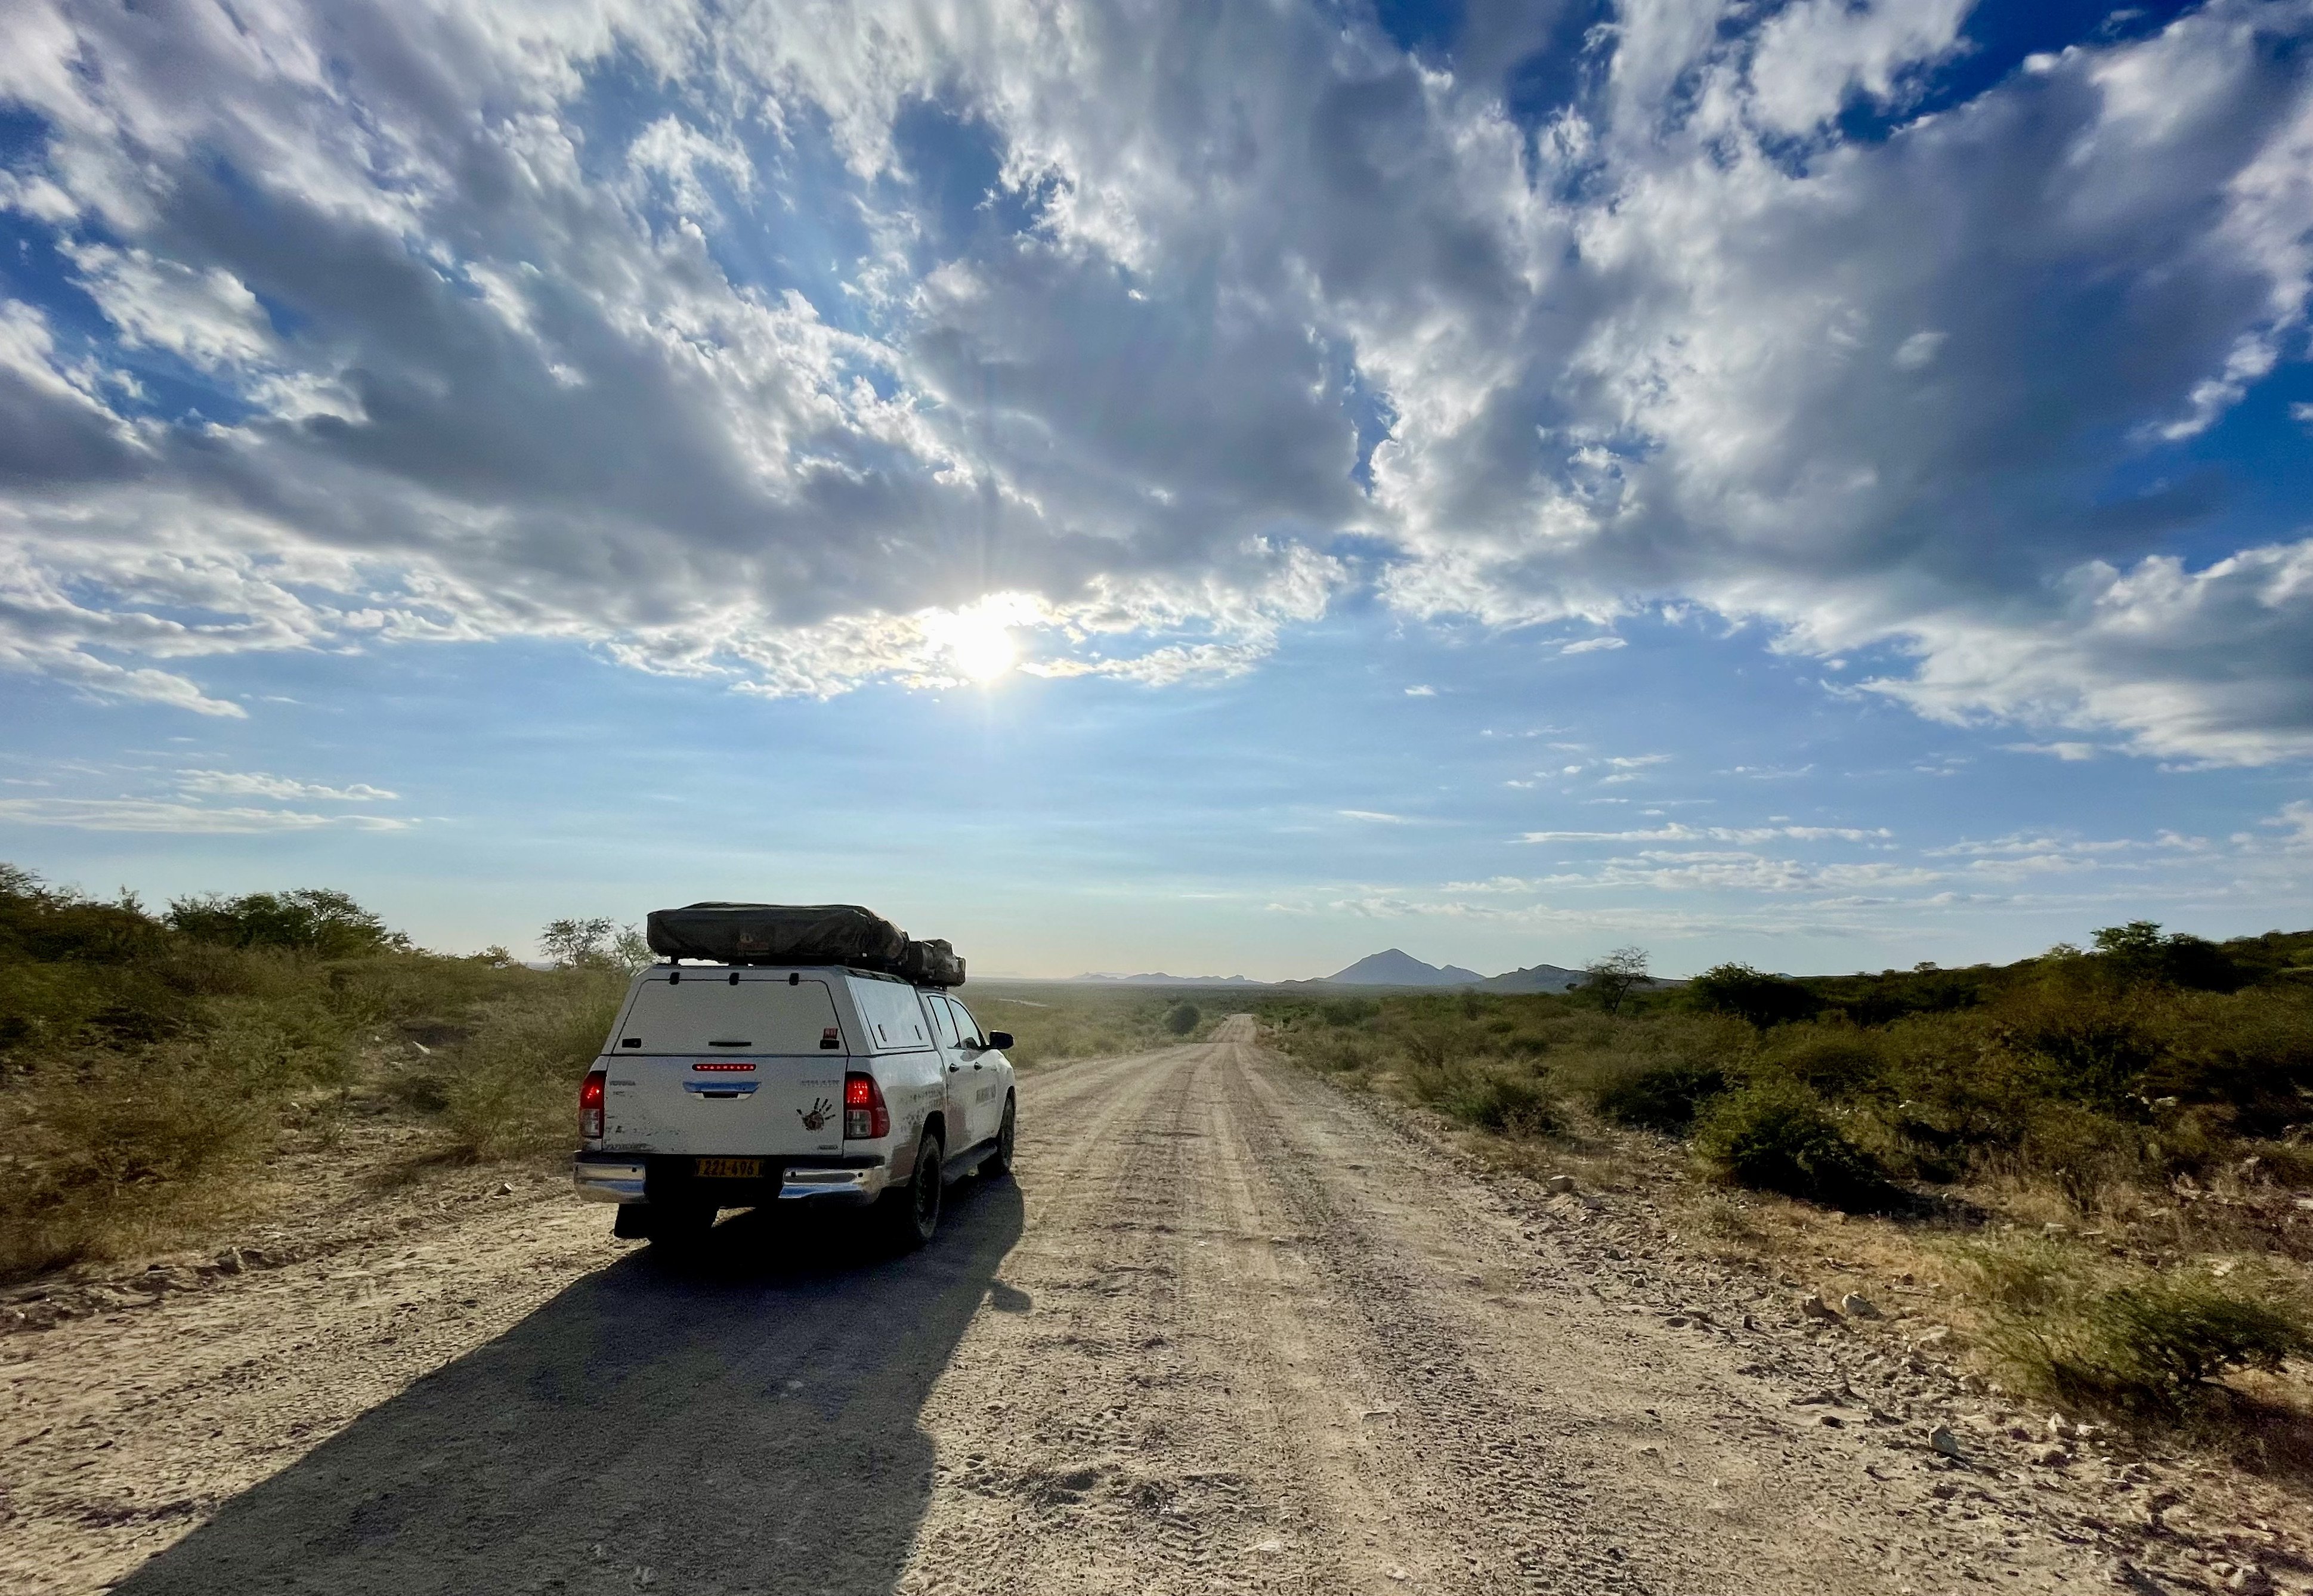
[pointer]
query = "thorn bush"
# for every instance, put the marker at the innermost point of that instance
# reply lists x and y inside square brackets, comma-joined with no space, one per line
[1774,1135]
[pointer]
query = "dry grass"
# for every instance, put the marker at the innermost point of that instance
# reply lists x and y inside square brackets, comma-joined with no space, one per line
[2082,1240]
[152,1078]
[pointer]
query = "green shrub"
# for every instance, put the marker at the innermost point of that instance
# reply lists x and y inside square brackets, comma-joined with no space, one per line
[308,920]
[2085,1042]
[47,924]
[1509,1105]
[1182,1018]
[1659,1096]
[2151,1346]
[1335,1054]
[1764,1000]
[2137,952]
[1774,1136]
[2252,1054]
[1506,1103]
[1837,1060]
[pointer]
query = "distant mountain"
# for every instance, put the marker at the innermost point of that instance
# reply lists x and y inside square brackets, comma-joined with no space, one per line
[1398,967]
[1395,967]
[1537,978]
[1158,979]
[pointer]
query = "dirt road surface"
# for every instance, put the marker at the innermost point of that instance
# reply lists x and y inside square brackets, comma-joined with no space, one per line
[1229,1330]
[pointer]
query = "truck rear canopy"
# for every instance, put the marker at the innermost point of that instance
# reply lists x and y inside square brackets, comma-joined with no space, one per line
[709,1013]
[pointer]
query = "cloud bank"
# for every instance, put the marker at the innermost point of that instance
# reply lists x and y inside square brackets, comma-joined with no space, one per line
[804,345]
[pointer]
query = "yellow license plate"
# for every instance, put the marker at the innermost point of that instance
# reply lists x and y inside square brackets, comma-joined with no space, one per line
[729,1169]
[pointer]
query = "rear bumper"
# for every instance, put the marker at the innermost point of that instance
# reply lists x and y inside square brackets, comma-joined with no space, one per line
[630,1178]
[610,1178]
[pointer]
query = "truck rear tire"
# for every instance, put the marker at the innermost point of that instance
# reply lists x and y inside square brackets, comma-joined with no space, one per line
[679,1230]
[910,1215]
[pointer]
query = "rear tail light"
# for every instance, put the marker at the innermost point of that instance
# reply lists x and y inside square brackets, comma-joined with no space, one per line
[864,1117]
[590,1108]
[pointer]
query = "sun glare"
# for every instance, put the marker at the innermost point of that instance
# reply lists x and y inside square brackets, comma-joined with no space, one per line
[981,647]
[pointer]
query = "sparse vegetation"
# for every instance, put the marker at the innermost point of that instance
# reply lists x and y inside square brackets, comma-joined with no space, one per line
[2152,1091]
[151,1065]
[1050,1021]
[2120,1339]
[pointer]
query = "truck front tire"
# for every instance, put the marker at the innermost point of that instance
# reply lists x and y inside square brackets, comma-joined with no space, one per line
[998,1162]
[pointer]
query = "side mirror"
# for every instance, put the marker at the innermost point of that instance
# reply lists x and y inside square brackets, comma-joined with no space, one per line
[1000,1039]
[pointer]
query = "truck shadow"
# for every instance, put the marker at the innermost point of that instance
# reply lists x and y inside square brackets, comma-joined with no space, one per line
[747,1423]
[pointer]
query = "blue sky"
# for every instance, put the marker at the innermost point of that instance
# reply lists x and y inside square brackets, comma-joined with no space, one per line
[1817,484]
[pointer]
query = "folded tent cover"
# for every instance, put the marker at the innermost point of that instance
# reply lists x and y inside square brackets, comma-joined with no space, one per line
[796,934]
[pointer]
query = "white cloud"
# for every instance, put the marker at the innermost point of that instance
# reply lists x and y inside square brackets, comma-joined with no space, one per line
[145,814]
[2295,822]
[1421,692]
[2070,752]
[1811,55]
[209,316]
[1914,353]
[253,784]
[1374,817]
[1676,832]
[763,350]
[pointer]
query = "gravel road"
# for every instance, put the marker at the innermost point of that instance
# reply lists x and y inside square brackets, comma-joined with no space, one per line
[1229,1330]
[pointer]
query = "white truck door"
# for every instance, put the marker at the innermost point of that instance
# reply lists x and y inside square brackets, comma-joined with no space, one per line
[955,1069]
[983,1073]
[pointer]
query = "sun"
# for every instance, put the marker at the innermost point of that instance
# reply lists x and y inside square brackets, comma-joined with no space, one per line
[981,647]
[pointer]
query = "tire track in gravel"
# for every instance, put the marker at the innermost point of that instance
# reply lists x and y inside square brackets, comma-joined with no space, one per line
[1123,1462]
[1498,1513]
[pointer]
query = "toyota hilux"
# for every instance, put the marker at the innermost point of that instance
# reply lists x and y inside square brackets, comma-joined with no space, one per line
[743,1085]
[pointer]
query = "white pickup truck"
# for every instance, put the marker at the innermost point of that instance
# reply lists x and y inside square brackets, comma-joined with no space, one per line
[738,1086]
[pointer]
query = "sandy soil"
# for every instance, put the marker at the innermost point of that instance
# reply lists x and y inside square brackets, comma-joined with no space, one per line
[1229,1330]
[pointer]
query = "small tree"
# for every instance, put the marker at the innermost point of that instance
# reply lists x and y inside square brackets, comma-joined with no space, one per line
[600,942]
[2133,949]
[630,948]
[1182,1018]
[570,943]
[1610,979]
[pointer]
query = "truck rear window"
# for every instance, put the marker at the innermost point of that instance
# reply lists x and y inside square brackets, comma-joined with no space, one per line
[894,1018]
[704,1013]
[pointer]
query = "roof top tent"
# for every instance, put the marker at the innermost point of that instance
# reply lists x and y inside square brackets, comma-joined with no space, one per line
[842,933]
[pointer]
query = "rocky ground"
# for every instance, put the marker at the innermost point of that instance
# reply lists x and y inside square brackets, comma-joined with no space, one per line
[1229,1330]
